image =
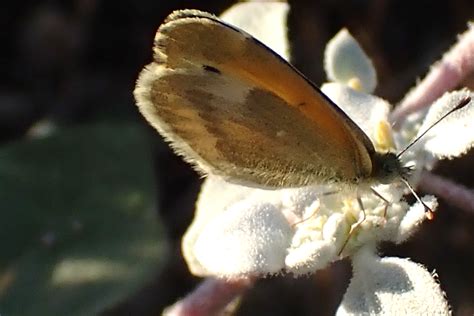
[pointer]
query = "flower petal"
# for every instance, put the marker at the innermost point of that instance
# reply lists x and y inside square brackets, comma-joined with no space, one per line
[453,136]
[309,256]
[266,21]
[254,226]
[245,239]
[414,217]
[216,197]
[391,286]
[364,109]
[344,60]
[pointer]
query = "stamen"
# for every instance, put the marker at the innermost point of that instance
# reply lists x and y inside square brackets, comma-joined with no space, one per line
[383,137]
[355,83]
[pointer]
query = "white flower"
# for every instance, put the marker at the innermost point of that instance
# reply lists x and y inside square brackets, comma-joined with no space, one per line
[240,231]
[391,286]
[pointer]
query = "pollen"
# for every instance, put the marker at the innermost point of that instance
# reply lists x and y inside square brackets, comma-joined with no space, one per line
[383,137]
[355,84]
[350,208]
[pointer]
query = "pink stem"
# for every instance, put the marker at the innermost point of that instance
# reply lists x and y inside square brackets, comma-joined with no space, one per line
[443,76]
[211,297]
[454,193]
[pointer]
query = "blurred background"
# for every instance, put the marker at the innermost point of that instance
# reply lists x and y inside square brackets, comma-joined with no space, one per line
[94,203]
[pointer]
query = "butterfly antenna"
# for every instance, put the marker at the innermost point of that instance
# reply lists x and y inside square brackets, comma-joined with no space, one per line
[465,101]
[429,212]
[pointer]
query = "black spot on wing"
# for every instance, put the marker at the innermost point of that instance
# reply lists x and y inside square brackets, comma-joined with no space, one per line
[211,69]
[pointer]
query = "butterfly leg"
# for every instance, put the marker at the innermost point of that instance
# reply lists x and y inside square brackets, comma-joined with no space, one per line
[355,225]
[386,202]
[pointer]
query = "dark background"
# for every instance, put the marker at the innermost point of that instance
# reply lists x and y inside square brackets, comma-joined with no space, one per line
[75,63]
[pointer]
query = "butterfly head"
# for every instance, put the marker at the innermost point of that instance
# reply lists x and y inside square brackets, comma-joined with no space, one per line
[387,167]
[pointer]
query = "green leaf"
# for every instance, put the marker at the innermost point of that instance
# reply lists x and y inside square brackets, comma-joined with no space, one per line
[78,229]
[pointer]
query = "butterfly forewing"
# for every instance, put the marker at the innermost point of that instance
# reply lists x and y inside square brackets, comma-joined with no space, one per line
[232,107]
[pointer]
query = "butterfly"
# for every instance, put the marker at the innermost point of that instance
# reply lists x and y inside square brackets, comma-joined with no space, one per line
[234,108]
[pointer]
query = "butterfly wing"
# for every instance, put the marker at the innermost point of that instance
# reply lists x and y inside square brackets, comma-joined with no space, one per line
[232,107]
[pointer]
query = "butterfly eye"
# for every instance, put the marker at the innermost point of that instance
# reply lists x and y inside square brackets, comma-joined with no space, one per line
[387,167]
